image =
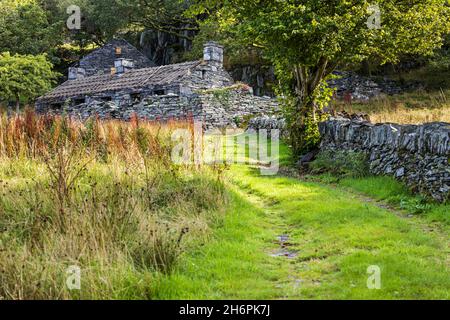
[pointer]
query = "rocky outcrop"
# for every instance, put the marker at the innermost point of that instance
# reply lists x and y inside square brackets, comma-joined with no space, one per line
[419,155]
[260,77]
[361,88]
[347,84]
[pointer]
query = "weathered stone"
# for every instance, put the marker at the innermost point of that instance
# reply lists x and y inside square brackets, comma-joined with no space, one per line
[417,155]
[308,158]
[202,90]
[400,173]
[352,86]
[266,122]
[205,107]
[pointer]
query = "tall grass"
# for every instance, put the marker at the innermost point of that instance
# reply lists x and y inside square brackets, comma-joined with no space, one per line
[101,195]
[408,108]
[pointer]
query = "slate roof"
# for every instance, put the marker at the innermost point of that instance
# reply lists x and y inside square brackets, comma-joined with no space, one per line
[102,59]
[132,80]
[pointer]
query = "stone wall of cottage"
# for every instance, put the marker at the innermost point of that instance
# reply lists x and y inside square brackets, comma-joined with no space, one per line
[419,155]
[225,107]
[158,108]
[101,60]
[206,76]
[222,108]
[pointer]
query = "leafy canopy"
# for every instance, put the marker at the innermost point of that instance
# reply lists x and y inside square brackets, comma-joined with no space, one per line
[25,28]
[307,39]
[303,31]
[104,19]
[24,76]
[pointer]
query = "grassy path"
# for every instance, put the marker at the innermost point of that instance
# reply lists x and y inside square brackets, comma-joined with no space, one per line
[334,236]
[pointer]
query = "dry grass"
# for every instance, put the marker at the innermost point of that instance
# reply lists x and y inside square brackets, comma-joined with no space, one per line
[103,196]
[416,116]
[408,108]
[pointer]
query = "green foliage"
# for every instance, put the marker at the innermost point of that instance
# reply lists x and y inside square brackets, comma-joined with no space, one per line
[237,51]
[306,40]
[24,76]
[416,205]
[104,19]
[441,61]
[305,137]
[395,193]
[342,164]
[25,28]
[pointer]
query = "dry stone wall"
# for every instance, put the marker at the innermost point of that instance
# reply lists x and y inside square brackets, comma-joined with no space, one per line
[227,109]
[419,155]
[232,107]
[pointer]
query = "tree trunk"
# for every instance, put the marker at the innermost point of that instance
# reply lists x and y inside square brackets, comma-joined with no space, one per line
[307,80]
[298,129]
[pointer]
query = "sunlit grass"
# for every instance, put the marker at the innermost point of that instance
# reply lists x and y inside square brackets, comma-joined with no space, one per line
[408,108]
[335,233]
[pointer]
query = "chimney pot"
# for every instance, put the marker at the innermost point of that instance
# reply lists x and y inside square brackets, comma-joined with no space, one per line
[123,65]
[213,54]
[76,73]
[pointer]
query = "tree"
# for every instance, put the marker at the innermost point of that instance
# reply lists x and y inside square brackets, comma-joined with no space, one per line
[24,77]
[307,39]
[103,19]
[25,28]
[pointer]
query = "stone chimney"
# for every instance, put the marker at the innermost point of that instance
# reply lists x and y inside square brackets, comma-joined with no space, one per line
[76,73]
[123,65]
[213,54]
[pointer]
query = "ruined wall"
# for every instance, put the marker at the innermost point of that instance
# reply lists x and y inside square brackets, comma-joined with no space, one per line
[206,76]
[160,108]
[417,155]
[232,107]
[229,108]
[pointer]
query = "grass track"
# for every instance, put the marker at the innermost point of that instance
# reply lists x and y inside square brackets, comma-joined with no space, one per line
[336,235]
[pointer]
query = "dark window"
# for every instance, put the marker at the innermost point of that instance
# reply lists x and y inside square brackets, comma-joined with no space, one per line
[159,92]
[56,106]
[79,101]
[203,74]
[135,97]
[106,99]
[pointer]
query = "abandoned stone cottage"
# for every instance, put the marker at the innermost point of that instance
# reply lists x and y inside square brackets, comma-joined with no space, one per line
[202,89]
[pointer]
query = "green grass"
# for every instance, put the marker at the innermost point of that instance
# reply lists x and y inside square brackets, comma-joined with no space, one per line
[108,230]
[118,235]
[233,264]
[335,233]
[393,192]
[338,237]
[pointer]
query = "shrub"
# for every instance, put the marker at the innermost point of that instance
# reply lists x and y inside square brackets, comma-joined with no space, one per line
[341,163]
[416,205]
